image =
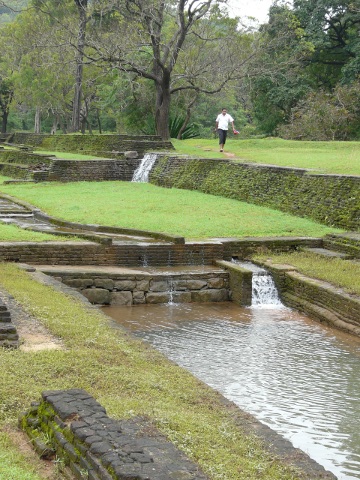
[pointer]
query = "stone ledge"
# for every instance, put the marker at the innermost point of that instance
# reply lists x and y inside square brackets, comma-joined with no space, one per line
[79,431]
[316,298]
[9,337]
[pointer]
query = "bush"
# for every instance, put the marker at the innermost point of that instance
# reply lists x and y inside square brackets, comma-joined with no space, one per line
[326,116]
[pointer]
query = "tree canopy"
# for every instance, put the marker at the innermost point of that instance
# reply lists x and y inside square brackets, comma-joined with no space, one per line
[169,66]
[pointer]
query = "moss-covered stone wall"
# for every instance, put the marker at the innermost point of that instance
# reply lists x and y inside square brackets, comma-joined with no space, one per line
[330,199]
[100,145]
[316,298]
[71,426]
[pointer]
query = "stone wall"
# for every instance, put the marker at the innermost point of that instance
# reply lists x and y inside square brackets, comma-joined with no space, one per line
[8,335]
[240,283]
[92,170]
[72,426]
[330,199]
[139,288]
[316,298]
[100,145]
[87,253]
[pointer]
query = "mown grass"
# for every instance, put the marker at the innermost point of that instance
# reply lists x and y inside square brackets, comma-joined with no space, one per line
[341,273]
[129,379]
[12,233]
[173,211]
[320,157]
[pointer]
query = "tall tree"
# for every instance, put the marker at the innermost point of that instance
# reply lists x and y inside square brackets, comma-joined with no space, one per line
[333,27]
[81,6]
[178,45]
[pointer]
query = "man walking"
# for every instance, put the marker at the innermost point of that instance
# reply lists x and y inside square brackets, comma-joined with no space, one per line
[222,127]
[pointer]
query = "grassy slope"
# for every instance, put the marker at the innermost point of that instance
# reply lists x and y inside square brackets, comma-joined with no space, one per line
[147,207]
[320,157]
[128,378]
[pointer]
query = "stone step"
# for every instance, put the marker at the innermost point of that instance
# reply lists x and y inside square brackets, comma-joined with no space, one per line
[328,253]
[348,242]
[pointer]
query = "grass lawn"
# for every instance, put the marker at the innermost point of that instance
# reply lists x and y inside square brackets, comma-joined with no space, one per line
[341,273]
[147,207]
[128,378]
[12,233]
[320,157]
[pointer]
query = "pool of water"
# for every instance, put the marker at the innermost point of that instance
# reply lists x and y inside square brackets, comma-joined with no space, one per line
[298,377]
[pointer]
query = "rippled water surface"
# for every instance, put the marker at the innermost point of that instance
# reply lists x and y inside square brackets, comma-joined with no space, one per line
[296,376]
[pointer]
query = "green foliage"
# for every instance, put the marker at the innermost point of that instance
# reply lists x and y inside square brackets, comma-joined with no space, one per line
[307,52]
[326,116]
[190,131]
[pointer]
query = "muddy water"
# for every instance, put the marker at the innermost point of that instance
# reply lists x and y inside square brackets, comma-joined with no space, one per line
[296,376]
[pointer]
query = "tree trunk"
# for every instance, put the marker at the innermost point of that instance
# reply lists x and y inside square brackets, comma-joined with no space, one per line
[37,126]
[5,115]
[163,107]
[82,8]
[55,124]
[99,121]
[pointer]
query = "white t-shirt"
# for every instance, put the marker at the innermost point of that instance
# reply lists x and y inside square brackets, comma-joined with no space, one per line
[223,121]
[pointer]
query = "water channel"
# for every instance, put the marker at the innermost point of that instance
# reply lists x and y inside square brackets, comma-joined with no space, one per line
[300,378]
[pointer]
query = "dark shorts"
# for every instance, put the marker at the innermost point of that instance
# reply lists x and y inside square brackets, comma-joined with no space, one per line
[222,136]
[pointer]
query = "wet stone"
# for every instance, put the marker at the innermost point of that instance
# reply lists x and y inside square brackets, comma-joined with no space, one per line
[121,298]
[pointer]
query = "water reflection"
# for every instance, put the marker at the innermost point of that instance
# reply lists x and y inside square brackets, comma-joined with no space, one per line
[296,376]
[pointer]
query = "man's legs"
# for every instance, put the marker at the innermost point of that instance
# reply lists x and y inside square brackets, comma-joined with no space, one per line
[222,139]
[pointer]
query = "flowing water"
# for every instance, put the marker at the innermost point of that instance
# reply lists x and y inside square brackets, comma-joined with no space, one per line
[141,174]
[300,378]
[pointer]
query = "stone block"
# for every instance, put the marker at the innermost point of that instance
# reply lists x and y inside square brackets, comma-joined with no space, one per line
[98,296]
[158,297]
[216,282]
[196,284]
[180,284]
[79,282]
[159,286]
[121,298]
[106,283]
[143,285]
[138,298]
[125,285]
[210,295]
[131,154]
[181,297]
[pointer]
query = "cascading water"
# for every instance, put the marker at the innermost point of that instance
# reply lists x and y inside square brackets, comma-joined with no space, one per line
[264,292]
[141,174]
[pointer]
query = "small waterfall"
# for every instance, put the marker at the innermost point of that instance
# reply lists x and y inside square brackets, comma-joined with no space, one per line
[141,174]
[264,293]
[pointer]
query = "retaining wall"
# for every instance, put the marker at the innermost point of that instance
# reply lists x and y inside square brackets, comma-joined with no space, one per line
[73,426]
[318,299]
[8,335]
[330,199]
[100,145]
[88,253]
[92,170]
[139,288]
